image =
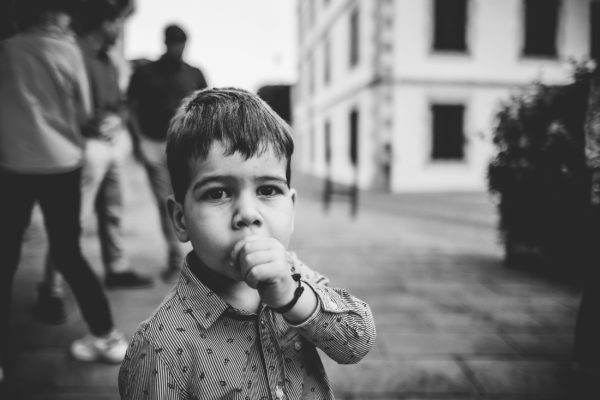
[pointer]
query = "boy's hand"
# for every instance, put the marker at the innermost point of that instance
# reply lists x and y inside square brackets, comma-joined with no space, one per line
[263,265]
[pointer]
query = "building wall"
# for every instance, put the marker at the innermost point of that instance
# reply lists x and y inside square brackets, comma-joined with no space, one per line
[413,168]
[494,39]
[399,77]
[348,88]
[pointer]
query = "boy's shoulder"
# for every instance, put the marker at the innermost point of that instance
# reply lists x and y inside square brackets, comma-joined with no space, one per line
[167,309]
[188,305]
[168,328]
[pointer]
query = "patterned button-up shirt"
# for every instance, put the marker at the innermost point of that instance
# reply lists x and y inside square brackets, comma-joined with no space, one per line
[196,346]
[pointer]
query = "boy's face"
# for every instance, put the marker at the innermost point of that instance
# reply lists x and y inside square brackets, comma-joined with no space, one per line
[230,198]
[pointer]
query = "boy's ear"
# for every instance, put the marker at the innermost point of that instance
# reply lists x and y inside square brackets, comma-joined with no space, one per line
[293,193]
[177,219]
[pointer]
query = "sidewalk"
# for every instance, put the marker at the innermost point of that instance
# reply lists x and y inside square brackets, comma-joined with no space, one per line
[453,323]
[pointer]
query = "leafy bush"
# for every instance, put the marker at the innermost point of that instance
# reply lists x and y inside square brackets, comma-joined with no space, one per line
[539,173]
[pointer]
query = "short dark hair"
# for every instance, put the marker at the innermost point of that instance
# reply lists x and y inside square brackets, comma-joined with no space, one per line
[93,13]
[174,34]
[241,121]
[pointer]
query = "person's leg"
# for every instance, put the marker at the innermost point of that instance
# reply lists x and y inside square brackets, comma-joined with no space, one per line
[16,204]
[50,304]
[109,209]
[160,183]
[60,202]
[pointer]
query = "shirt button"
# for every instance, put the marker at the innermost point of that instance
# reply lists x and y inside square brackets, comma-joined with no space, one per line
[278,392]
[298,345]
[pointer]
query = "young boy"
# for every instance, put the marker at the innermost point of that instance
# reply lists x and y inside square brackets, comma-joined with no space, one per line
[246,317]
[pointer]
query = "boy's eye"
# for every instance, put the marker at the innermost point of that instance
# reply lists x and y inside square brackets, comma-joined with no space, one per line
[215,194]
[268,190]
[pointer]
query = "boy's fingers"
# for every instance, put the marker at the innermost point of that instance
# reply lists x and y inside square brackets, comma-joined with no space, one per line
[237,248]
[257,244]
[250,260]
[260,273]
[249,245]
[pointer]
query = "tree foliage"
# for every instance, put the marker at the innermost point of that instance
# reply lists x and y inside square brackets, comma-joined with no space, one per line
[539,172]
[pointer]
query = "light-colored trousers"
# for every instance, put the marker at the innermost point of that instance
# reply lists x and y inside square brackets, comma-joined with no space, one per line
[102,192]
[155,163]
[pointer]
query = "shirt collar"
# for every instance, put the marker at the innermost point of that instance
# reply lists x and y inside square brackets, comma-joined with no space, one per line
[204,304]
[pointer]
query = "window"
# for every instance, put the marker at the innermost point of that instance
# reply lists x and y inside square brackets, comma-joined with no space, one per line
[327,62]
[448,137]
[541,21]
[327,137]
[354,137]
[595,30]
[450,22]
[354,38]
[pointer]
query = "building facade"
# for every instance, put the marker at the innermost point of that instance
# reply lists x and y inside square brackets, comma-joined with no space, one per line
[400,95]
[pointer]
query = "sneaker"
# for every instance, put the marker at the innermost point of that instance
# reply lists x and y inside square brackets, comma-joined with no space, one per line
[110,348]
[50,307]
[127,279]
[170,274]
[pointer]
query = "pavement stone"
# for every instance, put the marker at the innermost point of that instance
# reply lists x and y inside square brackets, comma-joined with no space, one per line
[453,323]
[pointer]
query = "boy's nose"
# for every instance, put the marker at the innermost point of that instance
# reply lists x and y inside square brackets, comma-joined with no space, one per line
[246,213]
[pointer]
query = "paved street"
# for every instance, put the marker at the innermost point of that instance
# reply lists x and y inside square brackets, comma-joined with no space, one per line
[452,322]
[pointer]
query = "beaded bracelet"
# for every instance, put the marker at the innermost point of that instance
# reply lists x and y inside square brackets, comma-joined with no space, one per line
[297,293]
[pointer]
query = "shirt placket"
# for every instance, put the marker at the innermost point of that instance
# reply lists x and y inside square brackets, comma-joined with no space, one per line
[271,363]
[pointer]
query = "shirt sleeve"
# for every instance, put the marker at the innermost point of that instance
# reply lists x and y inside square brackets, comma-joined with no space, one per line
[82,87]
[144,375]
[342,325]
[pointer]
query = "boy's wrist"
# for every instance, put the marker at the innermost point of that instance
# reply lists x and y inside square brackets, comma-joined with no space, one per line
[297,293]
[304,308]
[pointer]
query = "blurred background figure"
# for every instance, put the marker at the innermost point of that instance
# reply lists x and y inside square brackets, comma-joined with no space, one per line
[98,25]
[44,100]
[154,93]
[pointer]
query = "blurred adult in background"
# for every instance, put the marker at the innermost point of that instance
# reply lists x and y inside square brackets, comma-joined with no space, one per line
[155,92]
[44,100]
[99,25]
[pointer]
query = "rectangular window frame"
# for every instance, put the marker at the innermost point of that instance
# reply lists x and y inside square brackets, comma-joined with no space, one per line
[354,42]
[450,26]
[442,147]
[540,28]
[354,136]
[327,142]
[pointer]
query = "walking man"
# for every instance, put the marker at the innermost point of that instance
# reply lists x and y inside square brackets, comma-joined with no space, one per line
[155,92]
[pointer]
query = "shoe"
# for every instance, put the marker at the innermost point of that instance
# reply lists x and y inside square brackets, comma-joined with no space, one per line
[127,279]
[170,274]
[110,348]
[50,307]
